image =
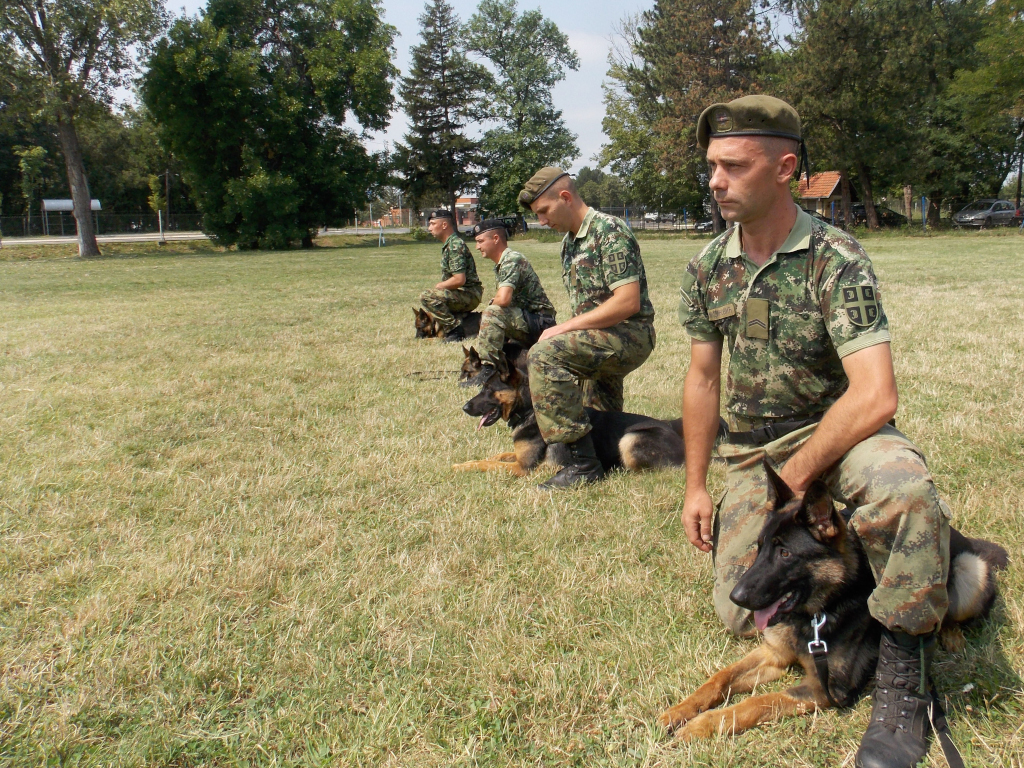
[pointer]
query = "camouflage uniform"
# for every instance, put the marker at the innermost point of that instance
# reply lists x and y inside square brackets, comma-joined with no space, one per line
[601,257]
[512,323]
[787,325]
[440,304]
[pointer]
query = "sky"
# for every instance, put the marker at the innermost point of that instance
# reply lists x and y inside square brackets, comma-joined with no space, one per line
[589,26]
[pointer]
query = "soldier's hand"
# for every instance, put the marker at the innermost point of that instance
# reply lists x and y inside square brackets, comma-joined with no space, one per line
[697,513]
[554,330]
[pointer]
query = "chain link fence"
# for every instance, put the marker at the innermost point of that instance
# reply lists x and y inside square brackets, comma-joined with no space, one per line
[57,224]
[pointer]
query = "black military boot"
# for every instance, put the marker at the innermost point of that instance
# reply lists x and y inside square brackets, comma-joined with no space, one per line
[486,371]
[584,466]
[454,335]
[900,731]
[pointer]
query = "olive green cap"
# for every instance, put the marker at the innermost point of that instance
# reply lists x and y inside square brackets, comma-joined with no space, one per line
[539,184]
[748,116]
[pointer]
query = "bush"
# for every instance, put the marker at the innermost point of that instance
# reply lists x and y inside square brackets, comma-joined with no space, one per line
[419,234]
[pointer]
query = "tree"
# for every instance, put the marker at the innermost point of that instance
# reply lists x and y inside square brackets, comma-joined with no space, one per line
[600,189]
[680,57]
[528,55]
[441,97]
[30,163]
[71,53]
[252,99]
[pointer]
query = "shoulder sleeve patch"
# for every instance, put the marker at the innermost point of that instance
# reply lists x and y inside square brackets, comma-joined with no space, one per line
[861,304]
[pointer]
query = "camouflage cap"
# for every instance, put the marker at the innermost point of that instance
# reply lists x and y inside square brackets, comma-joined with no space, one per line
[539,183]
[487,225]
[748,116]
[441,213]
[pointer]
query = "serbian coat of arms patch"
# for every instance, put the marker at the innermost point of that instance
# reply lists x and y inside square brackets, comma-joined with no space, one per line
[617,262]
[861,304]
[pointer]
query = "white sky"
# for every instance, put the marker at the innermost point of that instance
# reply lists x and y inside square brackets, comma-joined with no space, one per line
[589,27]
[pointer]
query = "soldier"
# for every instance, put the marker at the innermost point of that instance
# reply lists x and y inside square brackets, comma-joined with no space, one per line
[520,310]
[810,386]
[460,289]
[610,333]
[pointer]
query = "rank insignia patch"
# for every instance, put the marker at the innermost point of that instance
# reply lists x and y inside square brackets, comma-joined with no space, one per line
[861,304]
[616,262]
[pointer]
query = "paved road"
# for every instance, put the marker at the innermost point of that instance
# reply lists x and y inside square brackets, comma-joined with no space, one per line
[149,237]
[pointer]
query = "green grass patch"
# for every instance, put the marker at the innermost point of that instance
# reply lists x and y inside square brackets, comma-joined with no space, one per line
[230,534]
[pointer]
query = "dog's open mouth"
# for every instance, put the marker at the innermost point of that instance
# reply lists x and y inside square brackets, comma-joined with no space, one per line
[489,418]
[765,617]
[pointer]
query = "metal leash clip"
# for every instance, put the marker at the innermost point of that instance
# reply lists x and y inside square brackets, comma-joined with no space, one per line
[817,645]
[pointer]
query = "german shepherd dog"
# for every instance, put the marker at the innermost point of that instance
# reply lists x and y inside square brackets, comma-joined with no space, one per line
[621,439]
[811,563]
[426,328]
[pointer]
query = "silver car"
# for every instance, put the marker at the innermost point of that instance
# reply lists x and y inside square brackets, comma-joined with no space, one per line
[986,213]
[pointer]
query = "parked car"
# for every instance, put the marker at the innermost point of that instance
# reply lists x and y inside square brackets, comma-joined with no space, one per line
[859,215]
[986,213]
[704,226]
[651,216]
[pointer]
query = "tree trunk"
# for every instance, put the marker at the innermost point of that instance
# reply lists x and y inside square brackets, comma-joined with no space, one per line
[1020,174]
[934,206]
[869,201]
[87,246]
[717,222]
[847,199]
[908,203]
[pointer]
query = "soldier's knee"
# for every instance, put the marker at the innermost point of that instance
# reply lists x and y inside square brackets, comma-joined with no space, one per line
[493,312]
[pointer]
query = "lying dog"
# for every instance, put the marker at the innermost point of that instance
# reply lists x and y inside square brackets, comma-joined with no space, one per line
[825,573]
[621,439]
[426,327]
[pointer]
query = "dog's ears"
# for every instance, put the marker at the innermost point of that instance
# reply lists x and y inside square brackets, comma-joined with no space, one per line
[502,368]
[779,494]
[819,512]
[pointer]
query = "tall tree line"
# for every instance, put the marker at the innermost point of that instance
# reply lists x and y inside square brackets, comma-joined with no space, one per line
[892,93]
[497,71]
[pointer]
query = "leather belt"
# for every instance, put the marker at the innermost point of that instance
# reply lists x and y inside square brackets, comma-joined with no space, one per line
[770,432]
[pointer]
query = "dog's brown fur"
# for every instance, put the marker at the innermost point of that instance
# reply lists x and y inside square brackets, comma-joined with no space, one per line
[828,572]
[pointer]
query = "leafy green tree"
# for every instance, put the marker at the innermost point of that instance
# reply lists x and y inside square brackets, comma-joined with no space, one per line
[252,99]
[70,53]
[680,57]
[600,189]
[441,97]
[30,163]
[528,55]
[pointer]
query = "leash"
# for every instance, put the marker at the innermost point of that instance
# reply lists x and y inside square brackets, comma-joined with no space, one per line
[937,717]
[818,649]
[428,375]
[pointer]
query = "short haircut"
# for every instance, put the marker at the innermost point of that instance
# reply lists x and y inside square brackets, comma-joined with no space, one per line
[777,146]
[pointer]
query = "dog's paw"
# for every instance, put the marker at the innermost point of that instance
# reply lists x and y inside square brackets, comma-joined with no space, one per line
[951,638]
[678,715]
[706,726]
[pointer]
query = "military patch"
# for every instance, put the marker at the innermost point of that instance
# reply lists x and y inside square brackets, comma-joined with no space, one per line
[757,319]
[617,262]
[722,120]
[722,312]
[861,304]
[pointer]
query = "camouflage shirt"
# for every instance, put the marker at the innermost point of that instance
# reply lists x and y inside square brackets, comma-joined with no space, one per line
[455,259]
[788,323]
[602,256]
[514,271]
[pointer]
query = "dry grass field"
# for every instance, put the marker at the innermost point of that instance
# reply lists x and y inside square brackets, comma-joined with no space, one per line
[230,534]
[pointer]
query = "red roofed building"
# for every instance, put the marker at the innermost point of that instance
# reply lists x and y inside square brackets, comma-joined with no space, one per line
[820,192]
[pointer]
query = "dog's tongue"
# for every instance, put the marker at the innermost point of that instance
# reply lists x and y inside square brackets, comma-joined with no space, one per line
[482,420]
[763,616]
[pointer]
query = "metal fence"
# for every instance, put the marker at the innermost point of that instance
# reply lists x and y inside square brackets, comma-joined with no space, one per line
[640,218]
[56,224]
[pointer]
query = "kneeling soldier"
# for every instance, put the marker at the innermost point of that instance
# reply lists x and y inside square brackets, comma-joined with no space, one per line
[610,333]
[460,289]
[520,310]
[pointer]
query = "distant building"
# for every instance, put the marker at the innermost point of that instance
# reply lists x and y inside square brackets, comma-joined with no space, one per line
[468,210]
[818,193]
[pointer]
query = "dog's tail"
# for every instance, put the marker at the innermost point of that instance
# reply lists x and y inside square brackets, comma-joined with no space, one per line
[972,583]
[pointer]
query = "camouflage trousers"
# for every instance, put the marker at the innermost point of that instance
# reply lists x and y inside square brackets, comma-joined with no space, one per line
[501,324]
[897,513]
[440,304]
[600,358]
